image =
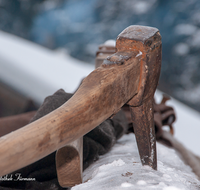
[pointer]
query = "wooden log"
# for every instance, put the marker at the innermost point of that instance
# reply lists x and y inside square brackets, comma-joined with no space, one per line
[103,92]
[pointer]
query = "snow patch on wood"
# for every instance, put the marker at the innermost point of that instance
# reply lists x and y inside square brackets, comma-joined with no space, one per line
[140,53]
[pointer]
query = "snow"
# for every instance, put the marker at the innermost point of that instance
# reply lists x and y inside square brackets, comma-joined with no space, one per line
[181,49]
[196,18]
[195,41]
[141,7]
[121,169]
[185,29]
[36,71]
[152,145]
[141,182]
[140,53]
[110,43]
[192,94]
[126,184]
[171,188]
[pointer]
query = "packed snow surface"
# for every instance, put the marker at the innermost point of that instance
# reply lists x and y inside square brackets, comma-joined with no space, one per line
[121,169]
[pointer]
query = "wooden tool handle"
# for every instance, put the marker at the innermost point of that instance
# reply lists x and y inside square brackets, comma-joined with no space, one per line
[69,163]
[101,94]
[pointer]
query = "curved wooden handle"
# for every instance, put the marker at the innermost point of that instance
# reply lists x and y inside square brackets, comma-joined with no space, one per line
[69,163]
[101,94]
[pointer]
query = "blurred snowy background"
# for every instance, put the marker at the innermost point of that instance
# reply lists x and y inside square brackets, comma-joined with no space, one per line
[79,26]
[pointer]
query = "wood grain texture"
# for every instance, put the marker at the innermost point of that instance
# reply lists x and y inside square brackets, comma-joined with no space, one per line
[102,93]
[69,163]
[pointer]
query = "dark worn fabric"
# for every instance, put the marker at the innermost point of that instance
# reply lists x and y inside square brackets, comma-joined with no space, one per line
[101,139]
[51,103]
[97,142]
